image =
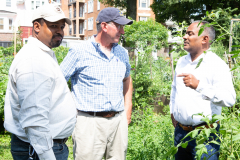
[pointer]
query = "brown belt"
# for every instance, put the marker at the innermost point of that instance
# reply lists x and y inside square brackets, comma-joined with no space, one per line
[64,140]
[190,128]
[102,114]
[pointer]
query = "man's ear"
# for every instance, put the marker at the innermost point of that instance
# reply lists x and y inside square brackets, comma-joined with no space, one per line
[36,27]
[104,26]
[205,39]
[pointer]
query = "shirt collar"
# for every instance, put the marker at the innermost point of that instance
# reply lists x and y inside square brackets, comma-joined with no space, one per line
[41,45]
[92,39]
[188,58]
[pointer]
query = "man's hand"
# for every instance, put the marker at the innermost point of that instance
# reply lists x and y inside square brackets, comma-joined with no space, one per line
[189,80]
[174,122]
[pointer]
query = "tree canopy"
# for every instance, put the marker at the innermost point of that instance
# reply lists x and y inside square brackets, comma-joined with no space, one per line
[185,10]
[129,5]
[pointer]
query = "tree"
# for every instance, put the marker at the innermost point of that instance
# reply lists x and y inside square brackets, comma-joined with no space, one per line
[128,5]
[185,10]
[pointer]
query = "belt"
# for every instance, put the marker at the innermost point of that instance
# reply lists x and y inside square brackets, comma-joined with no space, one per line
[102,114]
[190,128]
[64,140]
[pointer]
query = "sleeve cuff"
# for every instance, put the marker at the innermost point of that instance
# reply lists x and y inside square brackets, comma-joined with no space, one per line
[206,91]
[48,155]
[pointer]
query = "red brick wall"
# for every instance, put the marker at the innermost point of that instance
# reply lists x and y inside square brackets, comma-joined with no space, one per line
[26,32]
[6,36]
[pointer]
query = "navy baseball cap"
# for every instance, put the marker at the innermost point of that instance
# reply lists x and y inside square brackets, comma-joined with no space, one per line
[112,14]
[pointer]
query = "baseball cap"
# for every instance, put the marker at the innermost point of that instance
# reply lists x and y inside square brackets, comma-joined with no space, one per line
[112,14]
[51,13]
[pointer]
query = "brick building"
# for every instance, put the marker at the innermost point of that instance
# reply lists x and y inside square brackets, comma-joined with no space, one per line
[83,14]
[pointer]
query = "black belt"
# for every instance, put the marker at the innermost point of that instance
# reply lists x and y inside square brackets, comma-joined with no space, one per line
[190,128]
[102,114]
[64,140]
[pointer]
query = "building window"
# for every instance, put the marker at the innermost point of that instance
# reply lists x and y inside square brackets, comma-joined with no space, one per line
[98,5]
[8,3]
[37,4]
[33,5]
[1,24]
[70,29]
[90,23]
[10,24]
[5,44]
[143,3]
[81,8]
[90,6]
[42,3]
[143,18]
[58,1]
[70,12]
[85,8]
[85,24]
[81,25]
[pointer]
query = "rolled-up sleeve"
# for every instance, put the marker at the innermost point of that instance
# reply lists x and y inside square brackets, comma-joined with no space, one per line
[70,62]
[35,94]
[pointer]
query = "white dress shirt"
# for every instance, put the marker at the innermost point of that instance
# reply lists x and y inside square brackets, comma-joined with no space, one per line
[215,89]
[38,105]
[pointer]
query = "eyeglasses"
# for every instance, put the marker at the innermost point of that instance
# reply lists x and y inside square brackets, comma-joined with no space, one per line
[117,25]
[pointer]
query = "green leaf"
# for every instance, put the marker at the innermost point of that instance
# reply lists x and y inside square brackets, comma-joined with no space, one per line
[194,133]
[184,145]
[215,142]
[207,132]
[236,137]
[200,31]
[235,55]
[235,46]
[234,52]
[172,151]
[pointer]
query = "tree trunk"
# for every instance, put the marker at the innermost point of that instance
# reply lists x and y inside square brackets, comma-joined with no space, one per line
[131,9]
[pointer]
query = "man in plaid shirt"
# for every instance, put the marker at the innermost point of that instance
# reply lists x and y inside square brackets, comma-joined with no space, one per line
[100,74]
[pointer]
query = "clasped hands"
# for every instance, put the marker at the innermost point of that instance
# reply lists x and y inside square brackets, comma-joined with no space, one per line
[189,80]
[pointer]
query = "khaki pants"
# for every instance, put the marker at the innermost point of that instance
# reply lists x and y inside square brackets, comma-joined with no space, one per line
[97,137]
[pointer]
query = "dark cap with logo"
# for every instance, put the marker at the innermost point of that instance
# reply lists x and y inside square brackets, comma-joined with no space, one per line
[114,15]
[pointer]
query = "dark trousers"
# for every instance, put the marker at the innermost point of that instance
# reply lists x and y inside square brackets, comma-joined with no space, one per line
[20,150]
[189,152]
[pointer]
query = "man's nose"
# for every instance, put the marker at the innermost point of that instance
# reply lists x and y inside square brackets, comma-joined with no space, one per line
[122,30]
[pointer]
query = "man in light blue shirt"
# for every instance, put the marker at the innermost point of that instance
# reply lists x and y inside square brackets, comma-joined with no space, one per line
[100,74]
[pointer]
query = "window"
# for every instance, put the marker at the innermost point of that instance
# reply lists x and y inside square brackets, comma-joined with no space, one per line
[10,24]
[42,3]
[143,18]
[81,28]
[8,3]
[90,6]
[5,44]
[90,23]
[98,5]
[70,29]
[143,3]
[37,4]
[85,8]
[85,24]
[70,12]
[81,11]
[33,5]
[1,24]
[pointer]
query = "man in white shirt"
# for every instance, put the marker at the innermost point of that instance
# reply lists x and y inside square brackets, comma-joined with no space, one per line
[39,109]
[204,88]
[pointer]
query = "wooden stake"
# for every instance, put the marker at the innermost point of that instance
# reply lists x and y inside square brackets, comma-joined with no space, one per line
[15,41]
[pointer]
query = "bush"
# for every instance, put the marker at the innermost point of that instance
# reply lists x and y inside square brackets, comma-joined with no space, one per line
[150,136]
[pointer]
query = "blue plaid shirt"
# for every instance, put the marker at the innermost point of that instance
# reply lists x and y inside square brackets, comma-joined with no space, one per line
[97,81]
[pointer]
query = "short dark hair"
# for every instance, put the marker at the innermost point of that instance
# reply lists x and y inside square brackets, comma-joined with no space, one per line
[40,20]
[210,31]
